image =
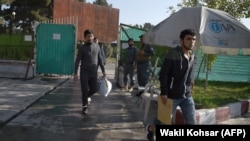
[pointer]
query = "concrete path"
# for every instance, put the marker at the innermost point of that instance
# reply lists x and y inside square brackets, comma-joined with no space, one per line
[16,95]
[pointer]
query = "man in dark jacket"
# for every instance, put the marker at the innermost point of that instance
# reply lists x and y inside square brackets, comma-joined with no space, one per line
[96,40]
[177,78]
[129,65]
[143,63]
[89,55]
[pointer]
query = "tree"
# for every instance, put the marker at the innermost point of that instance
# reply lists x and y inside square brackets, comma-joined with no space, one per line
[2,4]
[237,8]
[6,2]
[2,14]
[102,2]
[27,12]
[147,26]
[82,0]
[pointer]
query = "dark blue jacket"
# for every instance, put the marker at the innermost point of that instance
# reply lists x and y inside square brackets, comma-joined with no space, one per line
[177,74]
[129,56]
[103,54]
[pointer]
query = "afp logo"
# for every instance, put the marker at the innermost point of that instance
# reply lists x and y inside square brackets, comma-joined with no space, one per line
[219,27]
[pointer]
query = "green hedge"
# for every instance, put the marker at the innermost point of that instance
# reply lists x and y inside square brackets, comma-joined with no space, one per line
[14,47]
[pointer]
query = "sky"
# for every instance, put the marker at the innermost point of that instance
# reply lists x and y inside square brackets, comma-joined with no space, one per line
[146,11]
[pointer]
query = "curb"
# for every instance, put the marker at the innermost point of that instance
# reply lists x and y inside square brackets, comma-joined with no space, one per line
[217,115]
[203,116]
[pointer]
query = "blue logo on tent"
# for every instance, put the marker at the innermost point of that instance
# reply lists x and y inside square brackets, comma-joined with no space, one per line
[222,43]
[215,27]
[175,42]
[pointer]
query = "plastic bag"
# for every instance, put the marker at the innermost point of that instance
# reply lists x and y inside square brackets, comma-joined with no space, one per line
[105,86]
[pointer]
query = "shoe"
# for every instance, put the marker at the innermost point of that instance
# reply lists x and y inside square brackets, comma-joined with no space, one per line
[125,88]
[131,89]
[89,100]
[150,134]
[85,110]
[139,93]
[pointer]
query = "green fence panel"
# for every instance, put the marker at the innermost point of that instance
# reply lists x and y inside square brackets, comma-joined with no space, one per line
[55,49]
[227,68]
[16,47]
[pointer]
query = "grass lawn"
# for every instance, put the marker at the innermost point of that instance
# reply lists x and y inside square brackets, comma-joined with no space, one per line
[220,93]
[110,60]
[217,93]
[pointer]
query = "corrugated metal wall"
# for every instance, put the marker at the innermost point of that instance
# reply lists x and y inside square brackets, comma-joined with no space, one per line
[103,20]
[55,49]
[228,68]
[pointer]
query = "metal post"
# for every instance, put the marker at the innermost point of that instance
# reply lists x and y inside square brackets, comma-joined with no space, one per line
[13,14]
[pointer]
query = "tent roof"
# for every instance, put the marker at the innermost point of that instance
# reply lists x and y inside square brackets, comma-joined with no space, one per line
[128,31]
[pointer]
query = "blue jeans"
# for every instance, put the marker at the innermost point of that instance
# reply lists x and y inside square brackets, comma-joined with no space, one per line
[129,70]
[188,109]
[143,73]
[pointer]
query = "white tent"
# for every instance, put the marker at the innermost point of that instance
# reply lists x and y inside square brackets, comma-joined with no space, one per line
[217,32]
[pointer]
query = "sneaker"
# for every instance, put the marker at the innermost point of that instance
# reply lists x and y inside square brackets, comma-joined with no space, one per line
[89,100]
[85,110]
[131,89]
[125,88]
[139,93]
[150,134]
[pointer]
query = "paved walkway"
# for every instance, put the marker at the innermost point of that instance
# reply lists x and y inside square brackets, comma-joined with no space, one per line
[57,115]
[17,95]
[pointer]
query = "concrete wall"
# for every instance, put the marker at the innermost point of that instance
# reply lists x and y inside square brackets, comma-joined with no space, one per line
[16,69]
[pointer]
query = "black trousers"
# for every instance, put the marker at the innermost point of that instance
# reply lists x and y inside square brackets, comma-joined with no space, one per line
[88,85]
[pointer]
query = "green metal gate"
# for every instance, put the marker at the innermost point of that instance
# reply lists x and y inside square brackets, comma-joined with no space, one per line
[55,49]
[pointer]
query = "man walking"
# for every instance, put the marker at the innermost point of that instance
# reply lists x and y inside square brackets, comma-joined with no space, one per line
[129,65]
[96,40]
[143,63]
[177,79]
[89,55]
